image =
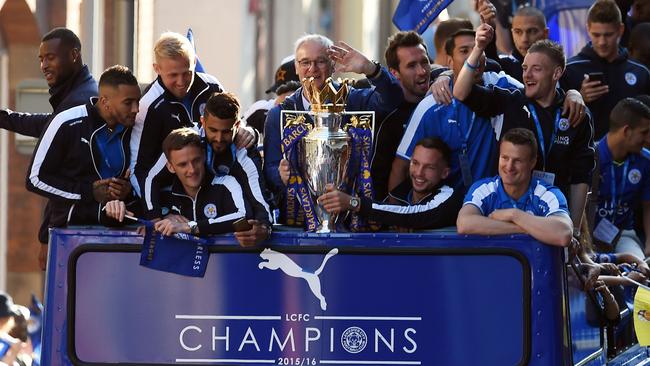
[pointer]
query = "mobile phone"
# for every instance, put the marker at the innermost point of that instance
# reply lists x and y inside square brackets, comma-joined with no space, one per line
[242,225]
[596,76]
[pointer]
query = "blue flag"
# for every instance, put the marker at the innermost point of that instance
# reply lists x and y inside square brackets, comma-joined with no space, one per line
[418,14]
[190,36]
[181,253]
[34,328]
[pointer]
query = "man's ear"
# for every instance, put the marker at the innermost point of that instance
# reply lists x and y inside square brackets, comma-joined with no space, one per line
[445,173]
[202,119]
[75,55]
[394,72]
[156,68]
[557,73]
[170,168]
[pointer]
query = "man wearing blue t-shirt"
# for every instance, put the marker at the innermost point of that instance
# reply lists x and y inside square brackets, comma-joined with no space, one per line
[624,178]
[470,137]
[512,202]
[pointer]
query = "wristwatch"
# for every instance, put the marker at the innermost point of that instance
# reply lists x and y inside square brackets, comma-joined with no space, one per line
[376,72]
[355,203]
[194,227]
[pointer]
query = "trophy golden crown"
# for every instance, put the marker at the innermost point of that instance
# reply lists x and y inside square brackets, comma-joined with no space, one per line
[327,99]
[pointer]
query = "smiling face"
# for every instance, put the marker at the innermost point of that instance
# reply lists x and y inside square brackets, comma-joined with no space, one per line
[427,169]
[188,164]
[312,61]
[219,132]
[119,104]
[414,72]
[176,73]
[57,61]
[635,138]
[540,75]
[516,162]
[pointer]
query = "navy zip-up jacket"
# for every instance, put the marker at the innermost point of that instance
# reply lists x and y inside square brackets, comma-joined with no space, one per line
[625,78]
[160,113]
[65,165]
[75,91]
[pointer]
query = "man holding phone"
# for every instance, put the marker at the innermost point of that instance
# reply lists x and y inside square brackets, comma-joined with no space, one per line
[199,203]
[602,71]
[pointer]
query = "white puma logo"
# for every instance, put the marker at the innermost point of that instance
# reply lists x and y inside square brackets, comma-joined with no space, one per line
[85,141]
[177,116]
[276,260]
[527,111]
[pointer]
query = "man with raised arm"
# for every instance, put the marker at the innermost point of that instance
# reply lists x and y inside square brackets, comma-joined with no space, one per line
[515,201]
[566,153]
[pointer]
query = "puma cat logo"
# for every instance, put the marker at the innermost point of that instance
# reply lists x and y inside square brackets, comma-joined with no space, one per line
[276,260]
[177,116]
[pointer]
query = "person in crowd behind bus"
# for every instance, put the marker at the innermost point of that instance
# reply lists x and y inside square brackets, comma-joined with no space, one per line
[424,201]
[514,202]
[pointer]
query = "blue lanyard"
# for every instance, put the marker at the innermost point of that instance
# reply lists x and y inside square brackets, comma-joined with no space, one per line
[613,186]
[464,137]
[540,133]
[210,159]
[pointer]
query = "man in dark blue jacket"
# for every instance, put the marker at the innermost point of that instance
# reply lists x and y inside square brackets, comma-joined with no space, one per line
[602,71]
[316,56]
[70,82]
[82,159]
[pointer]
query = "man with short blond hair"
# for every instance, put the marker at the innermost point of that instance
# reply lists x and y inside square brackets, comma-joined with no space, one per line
[175,99]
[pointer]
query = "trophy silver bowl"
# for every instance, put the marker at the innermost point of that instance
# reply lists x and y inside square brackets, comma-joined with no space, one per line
[324,161]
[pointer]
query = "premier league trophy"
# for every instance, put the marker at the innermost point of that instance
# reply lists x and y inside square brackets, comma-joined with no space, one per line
[321,153]
[325,149]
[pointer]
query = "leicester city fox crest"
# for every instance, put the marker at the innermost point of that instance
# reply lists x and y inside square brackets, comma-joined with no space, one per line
[210,211]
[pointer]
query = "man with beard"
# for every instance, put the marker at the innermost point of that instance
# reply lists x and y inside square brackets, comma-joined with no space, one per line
[82,159]
[566,156]
[423,201]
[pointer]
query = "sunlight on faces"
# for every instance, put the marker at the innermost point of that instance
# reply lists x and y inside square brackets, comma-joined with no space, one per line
[56,61]
[312,61]
[219,132]
[540,75]
[176,73]
[120,104]
[463,45]
[516,163]
[427,169]
[188,164]
[604,38]
[414,72]
[527,30]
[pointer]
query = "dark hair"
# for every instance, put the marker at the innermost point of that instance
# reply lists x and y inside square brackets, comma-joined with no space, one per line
[628,111]
[179,138]
[643,98]
[289,86]
[401,39]
[67,37]
[448,27]
[117,75]
[639,37]
[222,105]
[437,144]
[553,50]
[522,136]
[604,11]
[450,44]
[531,11]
